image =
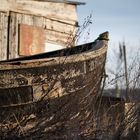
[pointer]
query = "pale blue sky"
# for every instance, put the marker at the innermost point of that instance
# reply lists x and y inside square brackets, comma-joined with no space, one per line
[120,17]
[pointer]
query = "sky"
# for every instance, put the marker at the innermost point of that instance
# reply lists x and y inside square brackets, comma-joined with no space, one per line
[120,17]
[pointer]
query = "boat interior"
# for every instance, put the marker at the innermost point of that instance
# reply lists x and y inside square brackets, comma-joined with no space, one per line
[58,53]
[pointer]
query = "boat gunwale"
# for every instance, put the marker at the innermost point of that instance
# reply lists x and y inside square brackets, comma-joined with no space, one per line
[55,60]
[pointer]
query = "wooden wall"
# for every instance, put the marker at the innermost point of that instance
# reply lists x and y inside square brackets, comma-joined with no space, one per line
[57,19]
[56,31]
[60,11]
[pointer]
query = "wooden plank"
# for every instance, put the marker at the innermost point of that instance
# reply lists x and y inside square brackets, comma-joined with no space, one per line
[16,95]
[60,11]
[61,27]
[13,36]
[3,35]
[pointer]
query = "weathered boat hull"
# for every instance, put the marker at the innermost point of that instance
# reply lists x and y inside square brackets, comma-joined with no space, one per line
[59,91]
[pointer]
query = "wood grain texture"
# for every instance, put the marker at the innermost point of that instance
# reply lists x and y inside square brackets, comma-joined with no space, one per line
[56,32]
[60,11]
[3,35]
[57,19]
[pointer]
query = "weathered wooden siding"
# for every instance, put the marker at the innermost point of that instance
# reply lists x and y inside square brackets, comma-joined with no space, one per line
[56,31]
[61,11]
[3,35]
[57,19]
[5,5]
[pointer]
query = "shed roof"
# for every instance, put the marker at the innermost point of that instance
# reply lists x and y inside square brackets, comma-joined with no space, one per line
[64,1]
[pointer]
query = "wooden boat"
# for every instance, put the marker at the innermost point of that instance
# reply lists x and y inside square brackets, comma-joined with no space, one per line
[57,87]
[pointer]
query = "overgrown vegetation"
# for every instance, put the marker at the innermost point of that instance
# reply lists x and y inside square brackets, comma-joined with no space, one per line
[104,117]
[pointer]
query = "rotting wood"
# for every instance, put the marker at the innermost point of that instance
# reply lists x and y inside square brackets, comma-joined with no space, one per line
[60,28]
[74,77]
[39,8]
[56,32]
[3,35]
[37,72]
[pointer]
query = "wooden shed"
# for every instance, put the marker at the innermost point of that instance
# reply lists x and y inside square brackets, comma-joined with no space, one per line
[30,27]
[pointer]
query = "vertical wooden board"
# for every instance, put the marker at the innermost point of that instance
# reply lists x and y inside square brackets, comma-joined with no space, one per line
[12,36]
[5,47]
[0,33]
[3,35]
